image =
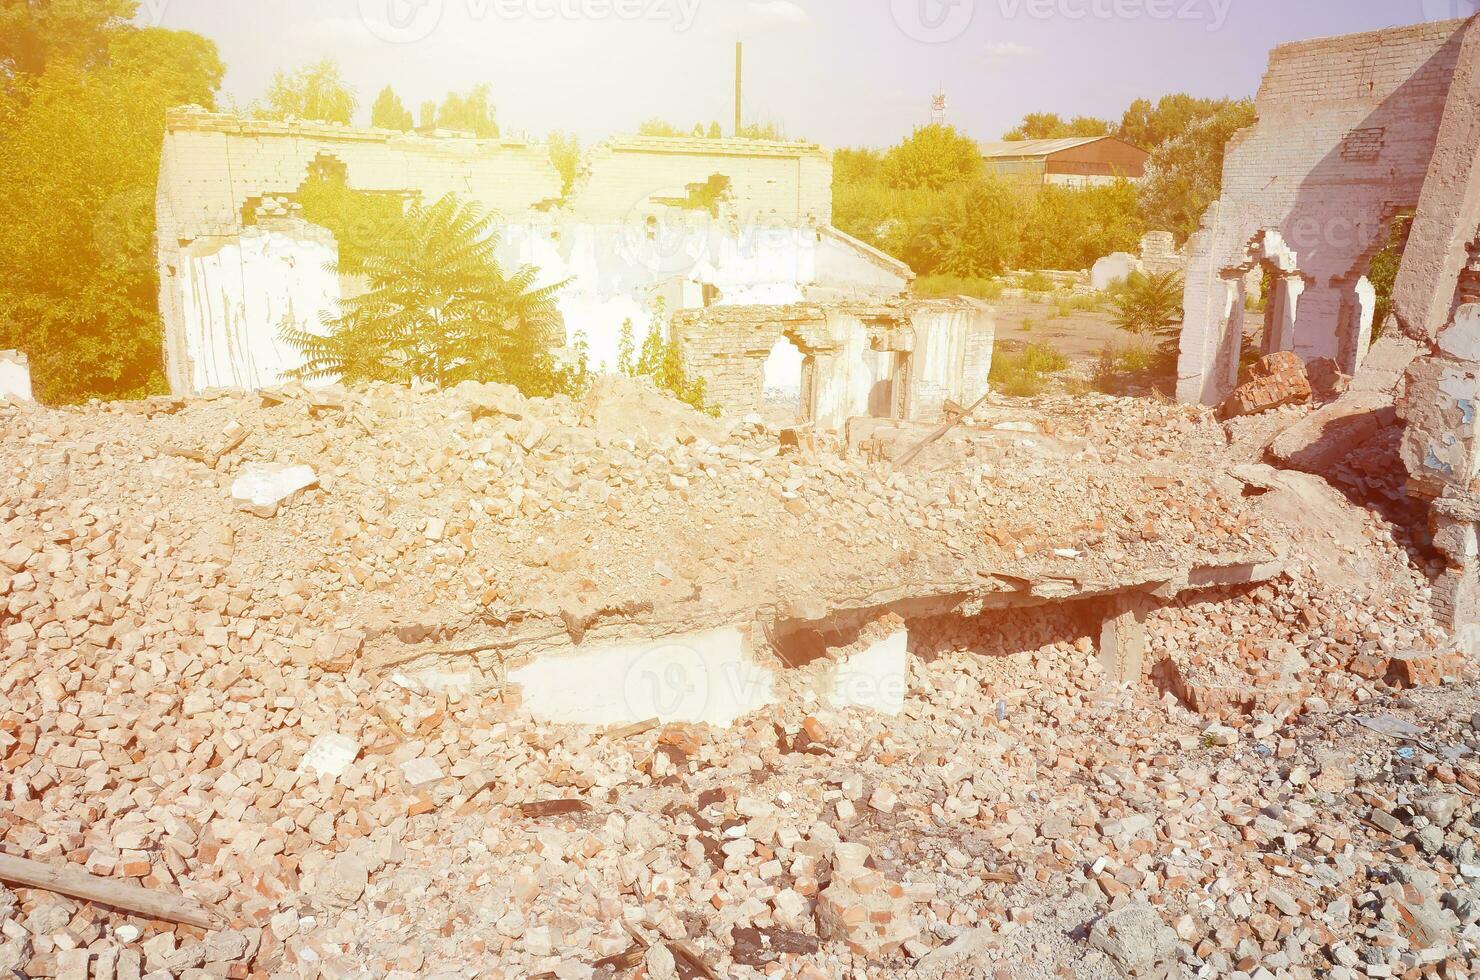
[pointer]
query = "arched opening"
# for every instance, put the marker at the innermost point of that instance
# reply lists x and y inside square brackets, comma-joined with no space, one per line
[781,384]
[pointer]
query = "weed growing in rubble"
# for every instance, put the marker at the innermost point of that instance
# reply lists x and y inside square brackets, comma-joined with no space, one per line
[440,309]
[1149,303]
[1022,374]
[661,361]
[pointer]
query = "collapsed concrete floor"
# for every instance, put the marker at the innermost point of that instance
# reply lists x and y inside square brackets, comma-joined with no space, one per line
[1081,690]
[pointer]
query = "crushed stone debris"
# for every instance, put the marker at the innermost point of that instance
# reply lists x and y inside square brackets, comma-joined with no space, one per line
[242,706]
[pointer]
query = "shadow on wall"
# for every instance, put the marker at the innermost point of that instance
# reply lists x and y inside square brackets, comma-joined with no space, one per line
[1330,228]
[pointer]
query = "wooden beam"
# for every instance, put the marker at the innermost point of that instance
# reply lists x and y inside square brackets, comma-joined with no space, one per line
[76,883]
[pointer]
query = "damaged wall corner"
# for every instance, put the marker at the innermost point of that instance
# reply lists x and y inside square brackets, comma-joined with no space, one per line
[1347,136]
[897,360]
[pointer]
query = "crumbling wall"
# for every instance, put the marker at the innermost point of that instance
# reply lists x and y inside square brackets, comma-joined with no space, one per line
[1344,140]
[15,376]
[1437,304]
[888,361]
[688,222]
[281,274]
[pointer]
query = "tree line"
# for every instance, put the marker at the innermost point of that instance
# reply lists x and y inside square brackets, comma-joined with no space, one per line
[931,202]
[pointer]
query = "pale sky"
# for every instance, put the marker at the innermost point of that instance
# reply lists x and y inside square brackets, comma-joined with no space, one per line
[841,72]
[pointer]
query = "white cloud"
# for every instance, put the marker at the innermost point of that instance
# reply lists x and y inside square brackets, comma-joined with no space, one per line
[780,13]
[1009,51]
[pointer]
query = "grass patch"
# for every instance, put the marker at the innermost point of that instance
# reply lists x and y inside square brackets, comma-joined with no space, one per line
[1038,282]
[1022,374]
[940,287]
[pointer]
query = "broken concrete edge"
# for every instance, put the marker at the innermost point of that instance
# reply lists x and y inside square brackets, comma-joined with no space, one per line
[718,667]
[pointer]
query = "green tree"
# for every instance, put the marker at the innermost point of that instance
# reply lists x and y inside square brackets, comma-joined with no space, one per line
[1149,125]
[1050,126]
[1149,303]
[36,33]
[470,112]
[361,221]
[439,308]
[659,127]
[388,112]
[973,232]
[933,157]
[761,131]
[429,115]
[1069,228]
[317,92]
[1185,173]
[80,145]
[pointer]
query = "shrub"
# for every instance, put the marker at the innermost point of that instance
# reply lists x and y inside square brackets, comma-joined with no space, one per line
[1037,282]
[1149,303]
[972,233]
[930,287]
[440,309]
[661,360]
[1021,374]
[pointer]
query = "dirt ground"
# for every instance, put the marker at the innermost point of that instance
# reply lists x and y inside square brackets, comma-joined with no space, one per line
[1080,336]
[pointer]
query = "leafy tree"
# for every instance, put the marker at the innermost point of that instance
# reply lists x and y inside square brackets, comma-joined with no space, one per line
[761,131]
[440,309]
[1069,228]
[1185,174]
[1149,303]
[857,166]
[317,92]
[1149,125]
[1050,126]
[933,157]
[37,33]
[565,154]
[429,115]
[361,221]
[974,232]
[471,112]
[388,112]
[659,127]
[80,141]
[715,132]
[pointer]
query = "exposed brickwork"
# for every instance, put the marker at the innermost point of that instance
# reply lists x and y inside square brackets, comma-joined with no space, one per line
[1345,138]
[854,352]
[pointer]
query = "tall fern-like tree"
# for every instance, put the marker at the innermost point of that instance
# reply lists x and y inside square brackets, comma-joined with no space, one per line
[440,309]
[1149,303]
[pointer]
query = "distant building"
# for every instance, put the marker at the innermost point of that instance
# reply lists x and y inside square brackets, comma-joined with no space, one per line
[1080,161]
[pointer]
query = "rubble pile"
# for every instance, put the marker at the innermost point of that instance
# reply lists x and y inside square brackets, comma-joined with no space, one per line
[245,661]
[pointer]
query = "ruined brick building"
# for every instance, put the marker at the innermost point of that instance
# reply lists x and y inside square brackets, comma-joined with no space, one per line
[1353,134]
[738,226]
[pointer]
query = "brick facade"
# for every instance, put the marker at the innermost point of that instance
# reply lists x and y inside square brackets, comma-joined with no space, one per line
[1345,138]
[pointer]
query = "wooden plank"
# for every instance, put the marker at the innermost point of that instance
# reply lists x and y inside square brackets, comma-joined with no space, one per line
[76,883]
